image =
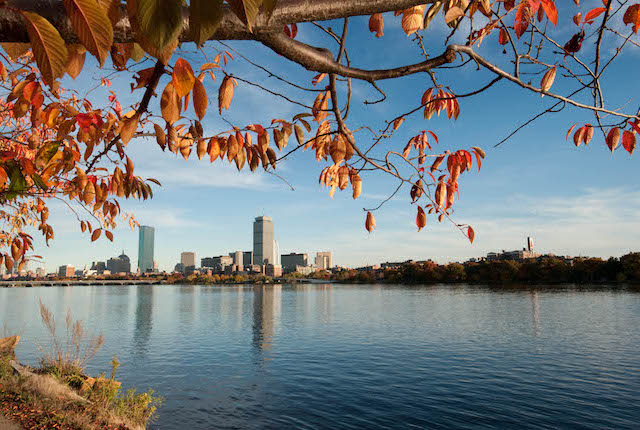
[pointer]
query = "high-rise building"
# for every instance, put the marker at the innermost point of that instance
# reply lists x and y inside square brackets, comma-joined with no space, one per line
[238,258]
[276,253]
[188,259]
[324,260]
[291,261]
[145,249]
[263,243]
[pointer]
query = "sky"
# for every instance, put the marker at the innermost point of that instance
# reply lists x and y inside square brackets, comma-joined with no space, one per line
[572,201]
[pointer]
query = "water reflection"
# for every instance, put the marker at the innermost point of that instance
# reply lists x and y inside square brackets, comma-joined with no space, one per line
[144,320]
[535,308]
[267,303]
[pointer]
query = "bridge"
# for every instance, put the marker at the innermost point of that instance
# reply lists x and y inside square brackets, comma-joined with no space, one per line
[79,282]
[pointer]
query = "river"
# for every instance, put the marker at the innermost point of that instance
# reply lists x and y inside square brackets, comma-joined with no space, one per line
[364,356]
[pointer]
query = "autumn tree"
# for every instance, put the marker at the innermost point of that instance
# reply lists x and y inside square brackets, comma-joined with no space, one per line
[71,146]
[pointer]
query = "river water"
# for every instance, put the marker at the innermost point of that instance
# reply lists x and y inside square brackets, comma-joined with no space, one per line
[365,356]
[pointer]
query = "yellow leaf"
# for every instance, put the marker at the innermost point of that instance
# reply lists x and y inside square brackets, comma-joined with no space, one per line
[48,47]
[547,80]
[92,26]
[412,19]
[129,128]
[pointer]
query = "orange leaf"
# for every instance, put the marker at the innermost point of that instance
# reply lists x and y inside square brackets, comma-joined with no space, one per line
[370,222]
[471,234]
[183,77]
[199,99]
[503,39]
[593,14]
[569,132]
[550,10]
[225,93]
[522,19]
[170,104]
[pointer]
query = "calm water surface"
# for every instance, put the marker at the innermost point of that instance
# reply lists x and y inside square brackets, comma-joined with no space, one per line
[339,357]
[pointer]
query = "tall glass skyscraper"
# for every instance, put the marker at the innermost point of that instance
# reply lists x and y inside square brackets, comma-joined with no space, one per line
[145,249]
[263,243]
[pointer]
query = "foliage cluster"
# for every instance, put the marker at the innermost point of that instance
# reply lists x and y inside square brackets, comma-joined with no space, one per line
[545,270]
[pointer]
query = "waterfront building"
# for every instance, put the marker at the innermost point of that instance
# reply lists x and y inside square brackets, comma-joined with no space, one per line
[247,258]
[120,264]
[66,271]
[145,249]
[323,260]
[263,242]
[188,259]
[276,253]
[99,267]
[293,260]
[517,255]
[238,258]
[179,268]
[273,270]
[217,264]
[40,272]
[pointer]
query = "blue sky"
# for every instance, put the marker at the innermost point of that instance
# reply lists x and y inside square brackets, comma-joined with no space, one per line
[573,201]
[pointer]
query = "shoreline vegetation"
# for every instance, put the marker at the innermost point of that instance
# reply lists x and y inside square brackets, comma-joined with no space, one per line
[59,395]
[538,271]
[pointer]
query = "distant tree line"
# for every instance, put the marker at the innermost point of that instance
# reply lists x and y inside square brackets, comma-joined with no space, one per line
[546,270]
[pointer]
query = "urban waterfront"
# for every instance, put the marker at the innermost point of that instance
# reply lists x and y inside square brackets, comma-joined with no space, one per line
[366,356]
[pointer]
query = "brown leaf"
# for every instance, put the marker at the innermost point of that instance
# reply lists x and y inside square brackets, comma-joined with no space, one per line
[397,123]
[129,128]
[356,184]
[421,218]
[92,26]
[225,93]
[412,19]
[370,222]
[48,46]
[471,234]
[547,80]
[161,138]
[376,24]
[96,234]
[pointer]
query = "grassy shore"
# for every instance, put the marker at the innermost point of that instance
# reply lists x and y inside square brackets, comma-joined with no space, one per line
[59,395]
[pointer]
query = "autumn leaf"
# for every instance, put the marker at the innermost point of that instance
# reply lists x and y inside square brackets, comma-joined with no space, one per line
[550,10]
[441,194]
[547,80]
[109,235]
[421,218]
[522,19]
[632,16]
[613,138]
[183,77]
[471,234]
[204,18]
[431,13]
[161,138]
[129,128]
[159,21]
[412,19]
[578,136]
[593,14]
[92,26]
[376,24]
[397,123]
[170,104]
[588,133]
[75,61]
[299,134]
[48,46]
[370,222]
[199,99]
[503,38]
[225,93]
[356,183]
[246,10]
[453,14]
[96,234]
[629,141]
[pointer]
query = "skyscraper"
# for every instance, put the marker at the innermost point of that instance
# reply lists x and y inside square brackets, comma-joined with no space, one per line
[324,260]
[263,249]
[145,249]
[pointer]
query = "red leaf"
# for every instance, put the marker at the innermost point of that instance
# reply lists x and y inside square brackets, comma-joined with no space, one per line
[569,132]
[613,138]
[504,37]
[593,14]
[471,234]
[632,16]
[550,10]
[629,141]
[522,19]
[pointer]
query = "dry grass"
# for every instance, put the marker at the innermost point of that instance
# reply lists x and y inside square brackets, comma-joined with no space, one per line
[49,387]
[68,355]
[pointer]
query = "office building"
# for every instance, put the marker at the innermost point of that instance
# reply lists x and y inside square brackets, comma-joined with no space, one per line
[247,258]
[273,270]
[66,271]
[263,243]
[217,264]
[145,249]
[120,264]
[323,260]
[188,259]
[291,261]
[276,253]
[99,267]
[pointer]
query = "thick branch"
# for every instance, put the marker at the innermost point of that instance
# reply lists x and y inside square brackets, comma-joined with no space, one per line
[12,28]
[321,60]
